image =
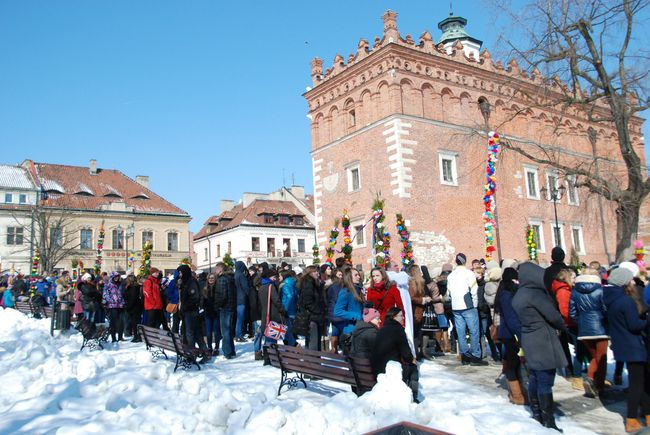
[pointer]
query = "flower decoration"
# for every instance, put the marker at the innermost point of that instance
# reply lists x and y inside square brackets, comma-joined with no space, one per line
[329,251]
[407,247]
[36,262]
[530,243]
[347,240]
[316,252]
[488,197]
[145,264]
[100,248]
[639,252]
[381,238]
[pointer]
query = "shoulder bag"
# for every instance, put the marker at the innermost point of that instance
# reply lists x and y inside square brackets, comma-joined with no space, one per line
[274,330]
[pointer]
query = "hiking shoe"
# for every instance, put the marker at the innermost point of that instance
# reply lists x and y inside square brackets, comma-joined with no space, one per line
[465,359]
[474,361]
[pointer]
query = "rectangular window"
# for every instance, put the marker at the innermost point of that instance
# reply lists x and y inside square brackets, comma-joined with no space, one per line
[9,198]
[298,220]
[359,236]
[229,248]
[205,254]
[172,241]
[448,170]
[286,247]
[268,219]
[532,188]
[22,198]
[353,172]
[56,237]
[270,247]
[577,239]
[301,245]
[14,236]
[218,251]
[558,235]
[572,190]
[118,239]
[255,244]
[284,220]
[538,229]
[147,236]
[86,239]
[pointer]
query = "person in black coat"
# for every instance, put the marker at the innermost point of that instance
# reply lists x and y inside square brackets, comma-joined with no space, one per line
[364,334]
[242,283]
[190,297]
[312,301]
[225,303]
[557,264]
[91,297]
[210,315]
[541,323]
[133,306]
[392,345]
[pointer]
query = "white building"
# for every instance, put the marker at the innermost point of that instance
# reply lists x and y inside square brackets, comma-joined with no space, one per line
[274,228]
[17,197]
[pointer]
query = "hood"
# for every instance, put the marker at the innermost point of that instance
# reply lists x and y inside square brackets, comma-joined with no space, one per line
[587,284]
[493,274]
[531,276]
[611,293]
[240,267]
[185,270]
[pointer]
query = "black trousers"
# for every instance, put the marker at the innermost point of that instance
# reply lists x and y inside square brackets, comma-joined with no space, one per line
[639,381]
[513,363]
[115,322]
[156,319]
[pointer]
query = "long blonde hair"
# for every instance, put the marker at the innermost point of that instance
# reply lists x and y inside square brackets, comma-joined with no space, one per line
[416,283]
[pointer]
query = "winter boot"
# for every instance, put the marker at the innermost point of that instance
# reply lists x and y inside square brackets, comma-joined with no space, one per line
[590,388]
[446,347]
[259,356]
[515,395]
[425,344]
[632,425]
[266,357]
[546,405]
[535,407]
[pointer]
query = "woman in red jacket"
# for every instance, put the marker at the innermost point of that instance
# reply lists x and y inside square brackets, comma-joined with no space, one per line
[153,300]
[561,287]
[383,292]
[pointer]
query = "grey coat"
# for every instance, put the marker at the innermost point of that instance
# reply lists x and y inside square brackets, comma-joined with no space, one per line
[540,320]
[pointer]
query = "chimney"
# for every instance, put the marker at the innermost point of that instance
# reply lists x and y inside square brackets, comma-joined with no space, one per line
[92,167]
[226,205]
[390,26]
[298,191]
[142,180]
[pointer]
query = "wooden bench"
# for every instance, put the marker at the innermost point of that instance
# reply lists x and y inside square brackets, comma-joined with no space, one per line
[160,340]
[24,307]
[356,372]
[93,336]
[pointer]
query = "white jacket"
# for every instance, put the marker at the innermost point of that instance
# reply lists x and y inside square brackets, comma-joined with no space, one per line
[459,282]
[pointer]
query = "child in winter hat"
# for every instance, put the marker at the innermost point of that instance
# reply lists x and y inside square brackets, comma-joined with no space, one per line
[369,314]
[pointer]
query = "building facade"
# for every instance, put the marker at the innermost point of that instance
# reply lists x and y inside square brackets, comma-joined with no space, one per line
[75,202]
[408,121]
[273,228]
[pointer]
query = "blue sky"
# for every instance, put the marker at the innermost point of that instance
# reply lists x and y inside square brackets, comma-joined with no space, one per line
[205,97]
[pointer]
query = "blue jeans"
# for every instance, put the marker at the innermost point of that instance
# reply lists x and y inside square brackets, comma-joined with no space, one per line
[540,382]
[90,316]
[288,337]
[257,344]
[212,327]
[468,319]
[227,339]
[241,313]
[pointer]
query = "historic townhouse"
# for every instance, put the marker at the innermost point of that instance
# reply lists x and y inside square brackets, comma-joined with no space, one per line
[406,119]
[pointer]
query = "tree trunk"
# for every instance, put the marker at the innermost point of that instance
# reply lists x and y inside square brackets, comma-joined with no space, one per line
[627,227]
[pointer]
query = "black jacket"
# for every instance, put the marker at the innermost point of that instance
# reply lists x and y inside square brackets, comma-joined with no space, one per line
[208,299]
[225,296]
[91,297]
[312,301]
[391,345]
[242,282]
[276,313]
[133,302]
[363,339]
[483,307]
[551,273]
[190,296]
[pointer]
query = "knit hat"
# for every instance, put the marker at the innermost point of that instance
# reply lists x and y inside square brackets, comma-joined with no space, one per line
[557,254]
[447,268]
[620,276]
[631,267]
[86,277]
[324,267]
[461,258]
[370,314]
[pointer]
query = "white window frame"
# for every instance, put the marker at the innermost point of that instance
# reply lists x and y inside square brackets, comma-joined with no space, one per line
[563,244]
[81,230]
[571,185]
[581,250]
[541,247]
[10,197]
[549,187]
[169,248]
[535,171]
[446,155]
[348,169]
[353,225]
[22,198]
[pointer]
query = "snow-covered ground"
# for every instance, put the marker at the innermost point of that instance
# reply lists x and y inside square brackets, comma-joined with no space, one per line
[48,386]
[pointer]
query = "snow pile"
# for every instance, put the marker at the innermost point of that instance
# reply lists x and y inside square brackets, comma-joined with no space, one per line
[49,386]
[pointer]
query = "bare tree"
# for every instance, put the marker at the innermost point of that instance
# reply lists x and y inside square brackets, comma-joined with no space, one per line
[51,231]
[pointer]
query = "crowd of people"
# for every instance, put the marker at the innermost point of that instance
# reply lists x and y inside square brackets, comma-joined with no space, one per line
[519,315]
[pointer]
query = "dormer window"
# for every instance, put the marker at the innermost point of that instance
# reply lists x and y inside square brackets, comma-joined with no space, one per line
[83,190]
[268,219]
[140,196]
[298,220]
[284,220]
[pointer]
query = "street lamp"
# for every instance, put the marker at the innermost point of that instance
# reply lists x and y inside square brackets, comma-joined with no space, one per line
[554,194]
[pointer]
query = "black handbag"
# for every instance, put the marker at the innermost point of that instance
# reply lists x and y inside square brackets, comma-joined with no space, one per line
[300,325]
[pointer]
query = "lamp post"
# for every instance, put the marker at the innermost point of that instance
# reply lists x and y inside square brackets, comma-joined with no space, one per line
[554,194]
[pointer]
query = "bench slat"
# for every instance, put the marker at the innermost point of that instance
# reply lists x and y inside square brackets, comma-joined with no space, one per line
[313,359]
[309,352]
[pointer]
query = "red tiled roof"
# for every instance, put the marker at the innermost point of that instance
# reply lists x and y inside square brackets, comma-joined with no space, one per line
[78,189]
[253,215]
